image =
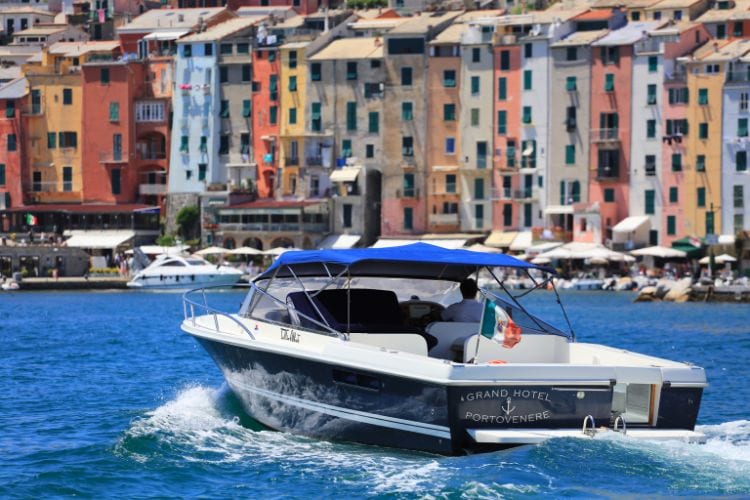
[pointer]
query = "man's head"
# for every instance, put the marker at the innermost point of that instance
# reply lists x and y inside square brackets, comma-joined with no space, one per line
[468,288]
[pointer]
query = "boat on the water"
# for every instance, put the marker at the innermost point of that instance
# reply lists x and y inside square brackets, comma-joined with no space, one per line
[180,272]
[348,345]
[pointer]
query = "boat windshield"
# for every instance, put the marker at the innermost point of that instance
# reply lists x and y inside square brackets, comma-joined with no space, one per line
[196,262]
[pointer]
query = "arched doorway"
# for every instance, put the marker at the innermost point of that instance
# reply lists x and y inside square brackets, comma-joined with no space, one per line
[229,243]
[253,243]
[282,242]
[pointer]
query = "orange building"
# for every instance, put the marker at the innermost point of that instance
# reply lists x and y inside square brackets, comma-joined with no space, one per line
[265,105]
[13,99]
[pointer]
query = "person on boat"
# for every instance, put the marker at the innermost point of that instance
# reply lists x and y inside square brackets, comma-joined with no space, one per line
[468,309]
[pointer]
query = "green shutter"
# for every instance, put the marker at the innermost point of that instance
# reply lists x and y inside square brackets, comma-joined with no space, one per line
[407,111]
[570,154]
[741,161]
[701,195]
[224,109]
[374,122]
[204,144]
[653,62]
[703,130]
[650,129]
[671,225]
[449,78]
[571,84]
[742,127]
[502,122]
[246,108]
[527,75]
[609,82]
[2,174]
[703,97]
[273,113]
[502,88]
[351,115]
[292,116]
[673,194]
[346,148]
[51,140]
[527,114]
[676,162]
[292,83]
[474,85]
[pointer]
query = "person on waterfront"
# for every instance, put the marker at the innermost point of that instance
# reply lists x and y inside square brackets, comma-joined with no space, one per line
[468,309]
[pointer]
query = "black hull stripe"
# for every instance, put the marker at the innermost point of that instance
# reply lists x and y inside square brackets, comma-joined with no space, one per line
[354,415]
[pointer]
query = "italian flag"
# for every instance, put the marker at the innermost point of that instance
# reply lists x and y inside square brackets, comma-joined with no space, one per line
[31,220]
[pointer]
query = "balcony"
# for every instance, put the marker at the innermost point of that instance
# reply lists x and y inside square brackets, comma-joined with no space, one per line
[291,161]
[607,172]
[605,135]
[113,157]
[33,110]
[502,194]
[505,39]
[314,161]
[53,192]
[524,194]
[444,219]
[738,76]
[152,155]
[152,189]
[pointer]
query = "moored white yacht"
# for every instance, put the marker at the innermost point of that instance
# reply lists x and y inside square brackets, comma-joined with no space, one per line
[348,345]
[177,271]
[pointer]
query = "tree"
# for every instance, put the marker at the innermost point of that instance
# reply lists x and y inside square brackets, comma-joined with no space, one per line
[187,220]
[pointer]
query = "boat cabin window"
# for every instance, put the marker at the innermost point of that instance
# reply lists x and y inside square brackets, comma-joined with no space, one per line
[173,263]
[196,262]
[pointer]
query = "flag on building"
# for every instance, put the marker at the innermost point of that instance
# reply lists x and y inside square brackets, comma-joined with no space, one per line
[31,220]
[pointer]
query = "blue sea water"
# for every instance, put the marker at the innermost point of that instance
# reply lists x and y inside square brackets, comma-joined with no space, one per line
[101,395]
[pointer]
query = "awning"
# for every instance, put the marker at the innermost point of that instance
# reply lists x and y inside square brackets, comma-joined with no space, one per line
[634,228]
[166,35]
[444,168]
[443,243]
[522,241]
[346,174]
[158,250]
[99,239]
[726,239]
[558,209]
[500,238]
[661,252]
[340,241]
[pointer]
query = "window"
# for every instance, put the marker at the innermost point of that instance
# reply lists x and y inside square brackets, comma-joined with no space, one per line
[449,112]
[709,222]
[374,63]
[292,59]
[271,56]
[528,50]
[571,84]
[184,144]
[744,99]
[449,78]
[674,194]
[609,82]
[351,115]
[273,87]
[245,143]
[208,49]
[203,147]
[479,189]
[149,111]
[571,54]
[571,120]
[11,143]
[406,76]
[450,145]
[247,73]
[502,122]
[570,154]
[243,48]
[700,163]
[676,162]
[51,140]
[292,116]
[701,196]
[104,76]
[187,50]
[651,94]
[246,108]
[650,165]
[347,215]
[10,109]
[527,76]
[36,102]
[406,45]
[202,168]
[475,55]
[373,122]
[225,49]
[527,114]
[677,127]
[475,85]
[346,148]
[273,115]
[739,222]
[739,196]
[116,187]
[292,86]
[703,130]
[742,127]
[611,55]
[474,117]
[223,74]
[2,174]
[507,214]
[351,70]
[369,151]
[315,72]
[408,218]
[608,166]
[703,97]
[481,154]
[450,183]
[510,153]
[678,95]
[67,97]
[502,88]
[650,129]
[316,123]
[740,160]
[609,195]
[67,139]
[409,190]
[117,147]
[224,144]
[504,60]
[671,225]
[407,111]
[653,64]
[407,146]
[224,109]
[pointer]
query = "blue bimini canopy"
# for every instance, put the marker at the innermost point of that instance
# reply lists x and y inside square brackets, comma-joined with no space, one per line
[417,260]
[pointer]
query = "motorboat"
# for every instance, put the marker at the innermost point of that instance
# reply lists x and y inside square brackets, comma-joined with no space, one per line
[177,271]
[349,345]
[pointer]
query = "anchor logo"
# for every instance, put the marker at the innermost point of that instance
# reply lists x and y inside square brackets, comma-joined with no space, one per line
[507,408]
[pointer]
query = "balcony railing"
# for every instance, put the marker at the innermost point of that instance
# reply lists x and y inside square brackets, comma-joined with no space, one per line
[152,189]
[314,161]
[291,161]
[502,193]
[152,155]
[113,157]
[276,227]
[444,219]
[607,172]
[524,194]
[605,135]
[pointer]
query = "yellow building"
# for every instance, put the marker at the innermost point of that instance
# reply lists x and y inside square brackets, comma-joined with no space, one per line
[701,163]
[293,103]
[54,120]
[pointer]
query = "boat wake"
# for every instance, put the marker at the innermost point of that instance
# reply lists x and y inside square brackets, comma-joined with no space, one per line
[207,425]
